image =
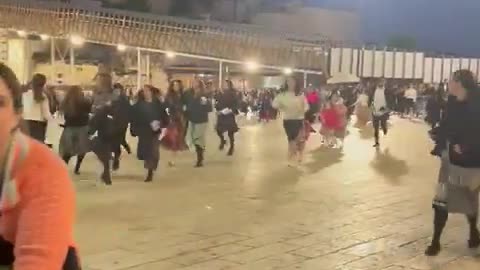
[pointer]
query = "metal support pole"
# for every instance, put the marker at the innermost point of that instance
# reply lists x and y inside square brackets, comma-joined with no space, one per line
[139,69]
[305,80]
[148,69]
[72,63]
[52,60]
[220,75]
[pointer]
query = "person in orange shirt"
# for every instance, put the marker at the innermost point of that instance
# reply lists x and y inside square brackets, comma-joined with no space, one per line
[37,202]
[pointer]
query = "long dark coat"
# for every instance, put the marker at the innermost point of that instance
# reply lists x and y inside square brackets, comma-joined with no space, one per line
[143,114]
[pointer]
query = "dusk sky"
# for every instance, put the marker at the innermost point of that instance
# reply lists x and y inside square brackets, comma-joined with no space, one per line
[451,26]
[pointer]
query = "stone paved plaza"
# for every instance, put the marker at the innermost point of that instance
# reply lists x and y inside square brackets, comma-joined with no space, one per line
[356,209]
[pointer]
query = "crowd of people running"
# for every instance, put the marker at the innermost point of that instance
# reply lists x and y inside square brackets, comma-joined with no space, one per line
[177,118]
[37,194]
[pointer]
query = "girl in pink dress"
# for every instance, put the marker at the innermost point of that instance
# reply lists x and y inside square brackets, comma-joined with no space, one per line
[330,122]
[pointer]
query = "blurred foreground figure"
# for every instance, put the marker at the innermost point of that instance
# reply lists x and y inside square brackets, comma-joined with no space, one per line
[458,146]
[37,204]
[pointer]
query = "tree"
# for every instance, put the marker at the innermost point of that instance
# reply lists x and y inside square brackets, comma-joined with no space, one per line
[403,42]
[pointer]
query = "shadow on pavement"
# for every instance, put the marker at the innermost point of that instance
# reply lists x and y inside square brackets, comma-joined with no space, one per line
[324,157]
[389,166]
[366,132]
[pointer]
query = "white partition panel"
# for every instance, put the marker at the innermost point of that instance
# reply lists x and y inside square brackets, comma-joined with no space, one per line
[378,65]
[419,58]
[437,70]
[335,55]
[455,64]
[399,61]
[447,68]
[465,63]
[355,62]
[409,65]
[389,62]
[367,66]
[474,66]
[428,70]
[346,63]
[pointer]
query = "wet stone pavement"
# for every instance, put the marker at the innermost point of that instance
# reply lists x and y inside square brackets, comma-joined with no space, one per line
[356,209]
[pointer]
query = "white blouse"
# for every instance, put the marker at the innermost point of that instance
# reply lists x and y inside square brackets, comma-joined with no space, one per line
[35,111]
[292,106]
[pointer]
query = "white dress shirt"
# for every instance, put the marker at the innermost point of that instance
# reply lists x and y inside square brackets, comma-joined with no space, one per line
[379,101]
[33,110]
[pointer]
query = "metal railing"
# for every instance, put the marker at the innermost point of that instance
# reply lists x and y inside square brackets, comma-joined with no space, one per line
[234,42]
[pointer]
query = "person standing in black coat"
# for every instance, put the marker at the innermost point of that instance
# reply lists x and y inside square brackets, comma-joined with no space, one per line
[149,124]
[227,107]
[459,143]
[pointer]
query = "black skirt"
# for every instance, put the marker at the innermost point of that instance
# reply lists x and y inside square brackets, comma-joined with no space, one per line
[37,130]
[226,123]
[292,128]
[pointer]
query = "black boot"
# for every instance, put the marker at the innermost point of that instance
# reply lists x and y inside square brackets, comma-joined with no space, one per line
[231,137]
[200,152]
[149,176]
[79,164]
[231,150]
[439,222]
[223,142]
[106,178]
[222,145]
[474,241]
[116,164]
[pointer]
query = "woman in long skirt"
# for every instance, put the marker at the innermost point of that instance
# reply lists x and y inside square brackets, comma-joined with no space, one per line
[227,108]
[293,105]
[149,123]
[175,137]
[74,140]
[459,179]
